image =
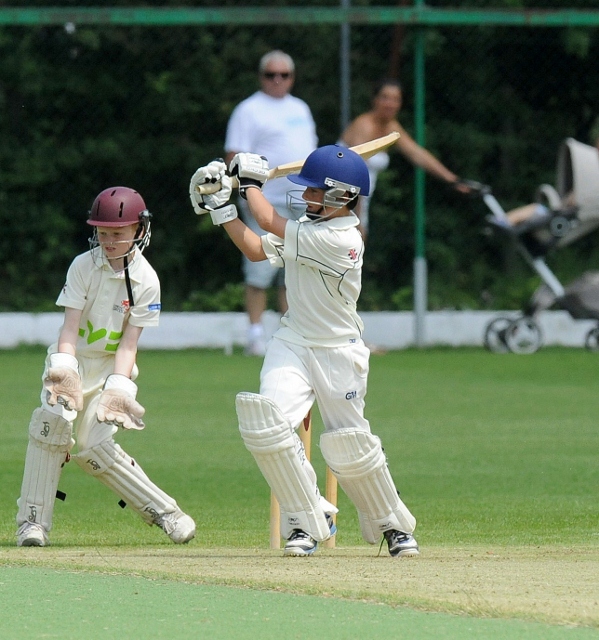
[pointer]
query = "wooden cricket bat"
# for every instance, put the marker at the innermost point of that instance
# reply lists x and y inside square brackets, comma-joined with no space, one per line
[365,150]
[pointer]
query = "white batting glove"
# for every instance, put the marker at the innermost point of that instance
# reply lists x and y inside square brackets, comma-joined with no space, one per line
[118,405]
[63,382]
[224,214]
[214,173]
[251,171]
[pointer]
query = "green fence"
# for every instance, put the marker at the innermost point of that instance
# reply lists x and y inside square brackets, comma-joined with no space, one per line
[94,96]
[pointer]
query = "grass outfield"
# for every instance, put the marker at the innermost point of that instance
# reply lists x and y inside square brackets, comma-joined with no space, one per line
[496,455]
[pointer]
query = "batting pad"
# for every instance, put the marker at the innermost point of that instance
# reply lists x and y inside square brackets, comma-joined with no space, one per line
[49,442]
[357,460]
[274,445]
[119,472]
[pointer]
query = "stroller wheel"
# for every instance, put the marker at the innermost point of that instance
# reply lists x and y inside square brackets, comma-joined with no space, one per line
[494,339]
[592,340]
[523,336]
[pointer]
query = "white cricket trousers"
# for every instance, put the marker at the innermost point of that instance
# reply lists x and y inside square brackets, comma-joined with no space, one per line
[293,377]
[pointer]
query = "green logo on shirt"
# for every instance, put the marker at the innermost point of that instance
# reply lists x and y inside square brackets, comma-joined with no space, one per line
[98,334]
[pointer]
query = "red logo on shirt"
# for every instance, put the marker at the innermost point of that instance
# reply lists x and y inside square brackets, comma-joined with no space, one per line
[352,254]
[122,308]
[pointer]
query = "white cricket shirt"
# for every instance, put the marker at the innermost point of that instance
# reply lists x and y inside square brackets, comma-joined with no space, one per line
[102,296]
[323,276]
[280,129]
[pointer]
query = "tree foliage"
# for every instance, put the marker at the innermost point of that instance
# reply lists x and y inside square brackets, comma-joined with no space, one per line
[88,107]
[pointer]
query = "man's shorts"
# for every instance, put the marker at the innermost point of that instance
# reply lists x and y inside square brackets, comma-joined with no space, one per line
[261,275]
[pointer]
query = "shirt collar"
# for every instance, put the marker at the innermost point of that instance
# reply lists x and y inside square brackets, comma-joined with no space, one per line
[133,266]
[341,222]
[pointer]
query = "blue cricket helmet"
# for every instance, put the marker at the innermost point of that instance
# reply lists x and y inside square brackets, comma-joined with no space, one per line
[331,164]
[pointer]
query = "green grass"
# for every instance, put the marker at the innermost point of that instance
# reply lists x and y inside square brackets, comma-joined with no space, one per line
[496,455]
[485,448]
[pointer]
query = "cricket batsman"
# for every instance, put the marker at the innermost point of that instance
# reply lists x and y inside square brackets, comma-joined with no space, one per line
[317,354]
[111,293]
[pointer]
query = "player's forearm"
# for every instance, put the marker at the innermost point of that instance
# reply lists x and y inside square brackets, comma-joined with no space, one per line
[66,344]
[69,332]
[245,239]
[126,354]
[124,361]
[261,208]
[265,214]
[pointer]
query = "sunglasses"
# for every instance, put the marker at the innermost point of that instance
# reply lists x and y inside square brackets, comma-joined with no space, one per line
[271,75]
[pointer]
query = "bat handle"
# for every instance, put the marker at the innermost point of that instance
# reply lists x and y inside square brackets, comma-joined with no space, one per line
[208,188]
[212,187]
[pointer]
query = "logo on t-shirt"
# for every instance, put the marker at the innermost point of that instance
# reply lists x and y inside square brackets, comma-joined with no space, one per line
[353,255]
[123,307]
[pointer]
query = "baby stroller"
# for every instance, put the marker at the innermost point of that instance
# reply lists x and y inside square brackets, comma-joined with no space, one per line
[572,211]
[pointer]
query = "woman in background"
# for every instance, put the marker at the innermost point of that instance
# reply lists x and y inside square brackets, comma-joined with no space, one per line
[380,121]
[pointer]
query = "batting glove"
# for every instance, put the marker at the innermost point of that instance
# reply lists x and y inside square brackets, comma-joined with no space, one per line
[218,191]
[251,171]
[63,383]
[118,405]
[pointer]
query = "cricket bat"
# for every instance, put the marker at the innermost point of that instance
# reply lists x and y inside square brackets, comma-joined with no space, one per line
[365,150]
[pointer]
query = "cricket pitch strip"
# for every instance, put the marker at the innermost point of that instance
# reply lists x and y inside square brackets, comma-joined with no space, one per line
[544,584]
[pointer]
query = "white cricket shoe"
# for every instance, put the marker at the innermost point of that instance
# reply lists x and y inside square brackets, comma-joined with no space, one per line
[300,543]
[178,526]
[401,545]
[31,534]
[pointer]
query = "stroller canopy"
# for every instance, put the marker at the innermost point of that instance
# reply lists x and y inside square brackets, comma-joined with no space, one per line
[578,174]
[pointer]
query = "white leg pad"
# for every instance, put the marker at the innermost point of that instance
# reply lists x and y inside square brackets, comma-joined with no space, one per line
[325,505]
[119,472]
[49,443]
[273,443]
[357,459]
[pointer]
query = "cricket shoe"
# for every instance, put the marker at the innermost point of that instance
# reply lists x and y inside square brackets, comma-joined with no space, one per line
[31,534]
[301,543]
[401,545]
[331,523]
[178,526]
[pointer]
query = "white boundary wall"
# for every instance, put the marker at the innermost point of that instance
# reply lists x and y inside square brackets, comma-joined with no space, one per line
[384,330]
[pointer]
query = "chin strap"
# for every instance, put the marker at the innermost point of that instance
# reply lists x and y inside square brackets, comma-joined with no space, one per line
[138,233]
[128,283]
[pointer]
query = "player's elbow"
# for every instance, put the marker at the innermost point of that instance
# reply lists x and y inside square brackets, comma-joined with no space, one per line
[256,256]
[252,248]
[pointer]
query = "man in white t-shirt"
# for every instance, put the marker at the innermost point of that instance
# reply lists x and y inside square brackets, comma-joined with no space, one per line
[274,124]
[111,293]
[317,354]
